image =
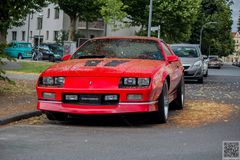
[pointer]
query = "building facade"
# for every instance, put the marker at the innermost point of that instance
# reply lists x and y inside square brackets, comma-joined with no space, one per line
[236,37]
[49,25]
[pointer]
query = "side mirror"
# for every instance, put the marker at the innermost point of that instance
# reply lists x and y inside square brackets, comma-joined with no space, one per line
[66,57]
[172,58]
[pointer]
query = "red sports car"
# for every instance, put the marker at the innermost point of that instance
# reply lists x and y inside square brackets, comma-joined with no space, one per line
[113,75]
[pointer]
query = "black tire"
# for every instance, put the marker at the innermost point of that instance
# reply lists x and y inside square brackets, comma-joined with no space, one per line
[200,80]
[161,116]
[205,75]
[51,59]
[56,116]
[178,103]
[20,56]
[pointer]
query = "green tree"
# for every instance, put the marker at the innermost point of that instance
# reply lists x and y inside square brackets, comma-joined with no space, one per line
[12,13]
[90,10]
[175,17]
[216,38]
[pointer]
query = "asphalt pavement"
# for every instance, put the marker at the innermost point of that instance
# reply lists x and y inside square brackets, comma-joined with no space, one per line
[75,141]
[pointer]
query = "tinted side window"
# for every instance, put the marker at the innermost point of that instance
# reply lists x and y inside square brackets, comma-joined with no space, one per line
[166,50]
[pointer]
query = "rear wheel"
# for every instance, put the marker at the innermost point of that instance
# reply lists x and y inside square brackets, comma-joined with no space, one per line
[51,59]
[163,106]
[178,103]
[20,56]
[56,116]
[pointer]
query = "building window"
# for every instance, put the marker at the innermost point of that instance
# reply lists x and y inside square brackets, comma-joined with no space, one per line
[56,16]
[30,35]
[39,23]
[55,36]
[47,35]
[14,35]
[48,13]
[23,35]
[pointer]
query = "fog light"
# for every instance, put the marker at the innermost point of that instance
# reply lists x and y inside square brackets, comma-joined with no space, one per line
[71,97]
[134,97]
[111,97]
[48,95]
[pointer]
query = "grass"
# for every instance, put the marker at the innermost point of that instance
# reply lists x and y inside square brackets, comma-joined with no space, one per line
[32,67]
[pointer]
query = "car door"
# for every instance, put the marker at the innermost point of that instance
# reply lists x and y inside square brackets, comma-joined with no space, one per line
[174,69]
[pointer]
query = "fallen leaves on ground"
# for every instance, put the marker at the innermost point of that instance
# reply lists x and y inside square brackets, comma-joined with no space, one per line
[21,87]
[200,112]
[17,98]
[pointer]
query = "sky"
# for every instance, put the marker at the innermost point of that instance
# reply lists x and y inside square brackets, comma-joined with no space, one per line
[235,14]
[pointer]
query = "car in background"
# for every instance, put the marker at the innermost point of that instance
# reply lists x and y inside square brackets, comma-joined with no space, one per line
[49,52]
[205,65]
[19,50]
[192,60]
[113,75]
[214,62]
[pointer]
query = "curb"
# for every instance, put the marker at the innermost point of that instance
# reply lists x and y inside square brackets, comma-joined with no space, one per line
[19,116]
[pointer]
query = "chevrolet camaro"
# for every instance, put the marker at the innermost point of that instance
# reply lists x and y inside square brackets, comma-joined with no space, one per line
[113,75]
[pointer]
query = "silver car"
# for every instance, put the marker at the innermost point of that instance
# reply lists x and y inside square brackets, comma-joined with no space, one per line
[205,65]
[192,60]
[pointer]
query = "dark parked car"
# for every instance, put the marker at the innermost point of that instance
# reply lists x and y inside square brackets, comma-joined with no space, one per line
[51,52]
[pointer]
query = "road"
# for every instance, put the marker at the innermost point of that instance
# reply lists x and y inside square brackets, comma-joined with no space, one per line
[107,140]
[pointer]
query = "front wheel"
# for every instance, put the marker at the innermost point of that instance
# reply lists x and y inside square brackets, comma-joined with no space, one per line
[200,80]
[206,74]
[163,105]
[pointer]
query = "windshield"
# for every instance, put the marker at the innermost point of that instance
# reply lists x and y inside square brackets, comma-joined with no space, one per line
[189,52]
[24,45]
[120,48]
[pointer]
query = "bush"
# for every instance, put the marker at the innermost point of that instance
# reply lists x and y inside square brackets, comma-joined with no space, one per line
[3,55]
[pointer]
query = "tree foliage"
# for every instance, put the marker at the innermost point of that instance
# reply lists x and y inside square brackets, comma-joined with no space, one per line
[217,38]
[12,13]
[175,17]
[90,10]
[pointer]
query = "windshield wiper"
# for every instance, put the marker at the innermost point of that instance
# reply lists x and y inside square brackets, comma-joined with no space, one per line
[99,56]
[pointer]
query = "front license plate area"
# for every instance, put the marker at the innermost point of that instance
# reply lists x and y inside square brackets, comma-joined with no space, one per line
[90,99]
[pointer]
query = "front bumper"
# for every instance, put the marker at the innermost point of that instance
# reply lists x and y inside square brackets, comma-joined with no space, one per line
[214,65]
[193,73]
[130,107]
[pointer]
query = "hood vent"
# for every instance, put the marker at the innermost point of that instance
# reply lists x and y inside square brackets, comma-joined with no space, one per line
[92,62]
[115,63]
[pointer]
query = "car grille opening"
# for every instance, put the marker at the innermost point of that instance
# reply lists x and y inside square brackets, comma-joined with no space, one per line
[186,67]
[90,99]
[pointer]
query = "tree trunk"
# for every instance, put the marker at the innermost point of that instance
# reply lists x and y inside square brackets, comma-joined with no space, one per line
[72,29]
[3,35]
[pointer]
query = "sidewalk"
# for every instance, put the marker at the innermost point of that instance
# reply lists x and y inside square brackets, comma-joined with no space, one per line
[18,101]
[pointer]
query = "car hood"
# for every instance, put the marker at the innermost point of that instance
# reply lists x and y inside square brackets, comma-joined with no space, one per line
[189,61]
[104,67]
